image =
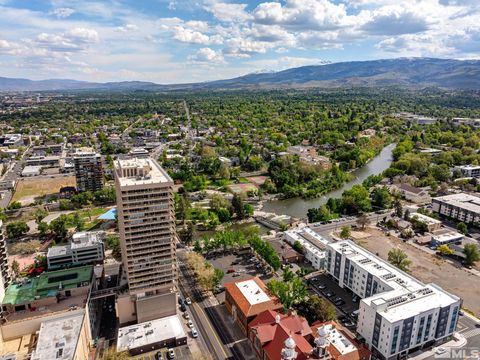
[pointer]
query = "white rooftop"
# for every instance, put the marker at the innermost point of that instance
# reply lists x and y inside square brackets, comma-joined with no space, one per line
[58,338]
[468,167]
[445,236]
[338,340]
[426,219]
[86,238]
[462,200]
[252,292]
[134,336]
[137,171]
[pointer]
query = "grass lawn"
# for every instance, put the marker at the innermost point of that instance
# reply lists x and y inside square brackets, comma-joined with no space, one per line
[29,189]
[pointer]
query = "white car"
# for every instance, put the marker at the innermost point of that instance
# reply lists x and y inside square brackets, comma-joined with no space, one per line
[194,333]
[188,301]
[440,350]
[190,324]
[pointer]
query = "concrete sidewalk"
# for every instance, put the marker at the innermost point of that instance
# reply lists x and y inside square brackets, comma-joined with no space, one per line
[458,341]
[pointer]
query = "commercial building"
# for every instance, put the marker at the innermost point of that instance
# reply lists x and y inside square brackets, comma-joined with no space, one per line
[31,170]
[88,170]
[445,237]
[4,271]
[466,121]
[398,314]
[146,222]
[84,248]
[139,153]
[245,299]
[42,150]
[432,224]
[11,140]
[65,338]
[462,207]
[151,335]
[45,161]
[468,170]
[412,193]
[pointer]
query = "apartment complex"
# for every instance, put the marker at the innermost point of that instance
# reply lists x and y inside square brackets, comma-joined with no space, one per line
[468,170]
[4,272]
[462,207]
[398,314]
[84,248]
[146,224]
[88,170]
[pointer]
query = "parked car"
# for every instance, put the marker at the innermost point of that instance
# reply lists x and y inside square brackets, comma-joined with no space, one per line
[194,333]
[235,274]
[188,301]
[183,308]
[321,286]
[349,324]
[229,271]
[330,294]
[354,298]
[339,302]
[190,324]
[158,356]
[180,301]
[186,315]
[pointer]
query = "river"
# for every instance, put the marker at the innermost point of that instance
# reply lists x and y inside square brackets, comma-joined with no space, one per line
[298,207]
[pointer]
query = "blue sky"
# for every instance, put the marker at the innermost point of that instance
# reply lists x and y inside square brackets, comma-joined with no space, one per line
[178,41]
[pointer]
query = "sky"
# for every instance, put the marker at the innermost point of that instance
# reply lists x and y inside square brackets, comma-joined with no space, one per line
[180,41]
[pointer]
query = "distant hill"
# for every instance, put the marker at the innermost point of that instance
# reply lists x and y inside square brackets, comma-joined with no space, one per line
[402,72]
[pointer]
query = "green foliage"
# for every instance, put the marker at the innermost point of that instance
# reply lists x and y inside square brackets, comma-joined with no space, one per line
[289,292]
[345,232]
[314,308]
[14,205]
[297,246]
[266,251]
[462,228]
[472,254]
[381,197]
[399,258]
[59,227]
[16,229]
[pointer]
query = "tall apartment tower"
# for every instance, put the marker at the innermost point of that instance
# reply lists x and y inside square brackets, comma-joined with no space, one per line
[146,223]
[88,170]
[4,272]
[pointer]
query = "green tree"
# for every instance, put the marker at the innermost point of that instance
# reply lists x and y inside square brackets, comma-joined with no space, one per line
[15,268]
[186,233]
[16,229]
[43,228]
[314,308]
[462,228]
[472,254]
[14,205]
[345,232]
[288,293]
[297,245]
[218,276]
[59,228]
[238,208]
[398,208]
[39,214]
[197,247]
[399,258]
[381,197]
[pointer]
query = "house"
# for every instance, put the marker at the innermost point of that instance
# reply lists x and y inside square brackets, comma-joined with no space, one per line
[445,237]
[245,299]
[432,224]
[468,170]
[411,193]
[288,254]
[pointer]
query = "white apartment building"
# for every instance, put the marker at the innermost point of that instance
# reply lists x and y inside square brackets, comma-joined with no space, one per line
[463,207]
[468,170]
[146,222]
[84,248]
[313,244]
[398,314]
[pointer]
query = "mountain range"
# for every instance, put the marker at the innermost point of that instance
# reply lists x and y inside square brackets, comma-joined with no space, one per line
[401,72]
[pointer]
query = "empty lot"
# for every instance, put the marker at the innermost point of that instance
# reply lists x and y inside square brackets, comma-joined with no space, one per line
[429,268]
[30,189]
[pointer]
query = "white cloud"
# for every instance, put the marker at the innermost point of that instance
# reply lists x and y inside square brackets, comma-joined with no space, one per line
[395,20]
[63,12]
[127,28]
[195,37]
[208,56]
[228,12]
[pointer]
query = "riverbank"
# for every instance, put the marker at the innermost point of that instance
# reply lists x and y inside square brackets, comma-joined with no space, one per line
[297,207]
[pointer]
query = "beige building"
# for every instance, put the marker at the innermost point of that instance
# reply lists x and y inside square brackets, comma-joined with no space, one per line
[146,224]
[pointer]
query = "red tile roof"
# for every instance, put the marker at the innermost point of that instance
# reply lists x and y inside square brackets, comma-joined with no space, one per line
[244,305]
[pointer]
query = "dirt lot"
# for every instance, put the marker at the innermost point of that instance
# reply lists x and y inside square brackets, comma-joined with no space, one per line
[428,268]
[29,189]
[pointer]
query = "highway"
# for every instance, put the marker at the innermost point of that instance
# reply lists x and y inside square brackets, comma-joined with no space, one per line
[202,315]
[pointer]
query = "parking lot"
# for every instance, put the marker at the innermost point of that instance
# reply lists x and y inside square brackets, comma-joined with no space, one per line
[342,299]
[181,352]
[238,267]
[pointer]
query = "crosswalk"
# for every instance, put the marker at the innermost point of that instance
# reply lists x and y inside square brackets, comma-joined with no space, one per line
[471,333]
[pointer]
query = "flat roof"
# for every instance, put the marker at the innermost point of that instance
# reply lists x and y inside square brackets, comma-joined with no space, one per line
[426,219]
[462,200]
[447,235]
[338,340]
[468,167]
[252,292]
[47,284]
[58,336]
[150,332]
[156,174]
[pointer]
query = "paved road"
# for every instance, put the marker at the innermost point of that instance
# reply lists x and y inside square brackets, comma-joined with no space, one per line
[203,316]
[325,228]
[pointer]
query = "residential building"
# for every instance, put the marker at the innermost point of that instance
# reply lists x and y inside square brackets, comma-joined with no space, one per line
[42,150]
[84,248]
[398,314]
[151,335]
[146,223]
[411,193]
[308,154]
[286,252]
[445,237]
[313,245]
[462,207]
[66,338]
[245,299]
[432,224]
[468,170]
[11,140]
[466,121]
[88,170]
[139,153]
